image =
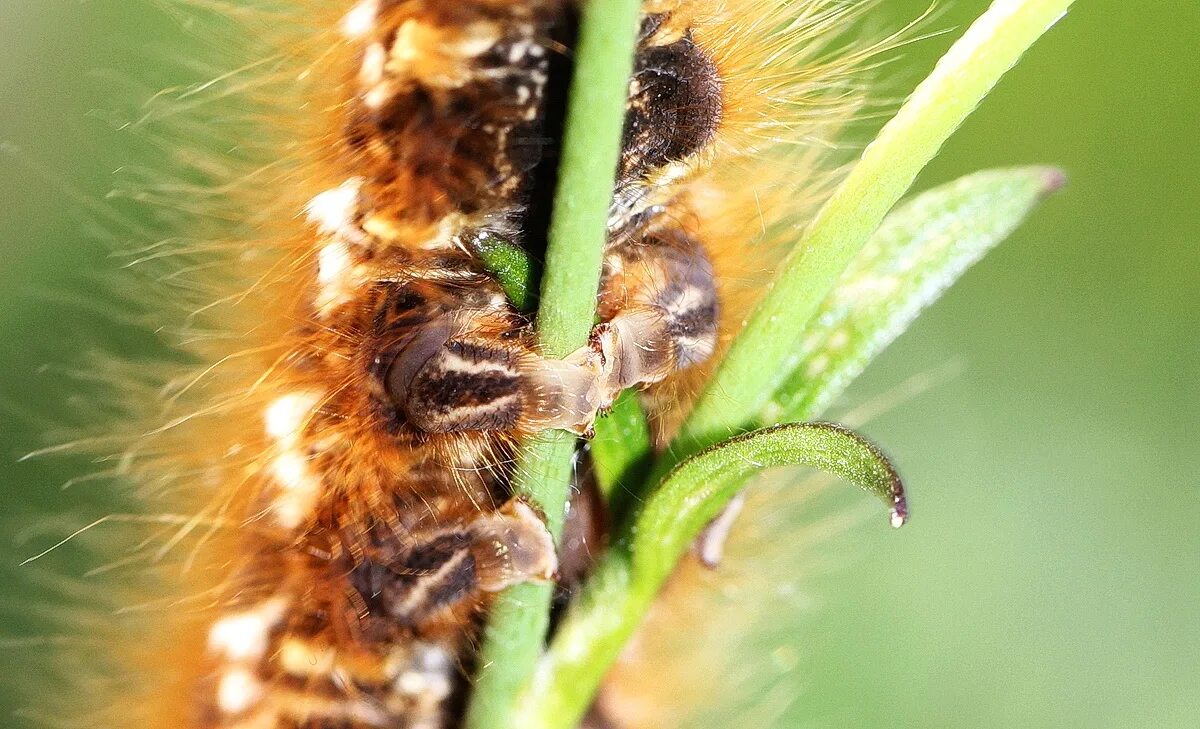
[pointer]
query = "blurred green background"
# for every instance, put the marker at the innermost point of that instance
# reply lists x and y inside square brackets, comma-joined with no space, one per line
[1051,574]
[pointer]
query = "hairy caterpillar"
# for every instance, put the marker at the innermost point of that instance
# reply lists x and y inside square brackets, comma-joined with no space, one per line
[348,470]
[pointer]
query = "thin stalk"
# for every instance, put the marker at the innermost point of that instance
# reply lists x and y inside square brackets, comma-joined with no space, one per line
[591,147]
[761,356]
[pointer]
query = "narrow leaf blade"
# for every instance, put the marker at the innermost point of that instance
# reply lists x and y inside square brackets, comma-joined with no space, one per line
[921,250]
[511,267]
[621,450]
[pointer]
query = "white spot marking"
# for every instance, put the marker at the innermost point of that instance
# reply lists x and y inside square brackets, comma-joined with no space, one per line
[291,508]
[285,418]
[359,21]
[412,683]
[243,636]
[476,39]
[291,471]
[519,50]
[300,489]
[333,263]
[689,299]
[373,63]
[338,276]
[333,210]
[423,672]
[404,48]
[432,657]
[238,691]
[290,511]
[378,96]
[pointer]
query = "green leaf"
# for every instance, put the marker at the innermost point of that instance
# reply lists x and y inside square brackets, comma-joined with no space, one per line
[626,581]
[696,491]
[511,266]
[756,364]
[921,249]
[621,450]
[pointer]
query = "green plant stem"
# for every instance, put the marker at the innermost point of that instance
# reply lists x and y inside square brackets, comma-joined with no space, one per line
[520,617]
[761,356]
[591,148]
[625,583]
[590,151]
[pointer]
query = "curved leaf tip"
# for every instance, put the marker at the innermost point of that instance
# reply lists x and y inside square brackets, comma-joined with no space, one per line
[696,490]
[886,484]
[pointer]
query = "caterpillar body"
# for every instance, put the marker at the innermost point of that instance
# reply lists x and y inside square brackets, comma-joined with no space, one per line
[384,512]
[352,481]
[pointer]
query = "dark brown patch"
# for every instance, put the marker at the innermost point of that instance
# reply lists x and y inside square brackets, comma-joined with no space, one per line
[439,397]
[450,391]
[423,579]
[674,109]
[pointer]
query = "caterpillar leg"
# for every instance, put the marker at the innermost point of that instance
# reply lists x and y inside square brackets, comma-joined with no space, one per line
[453,377]
[439,576]
[658,308]
[366,637]
[659,314]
